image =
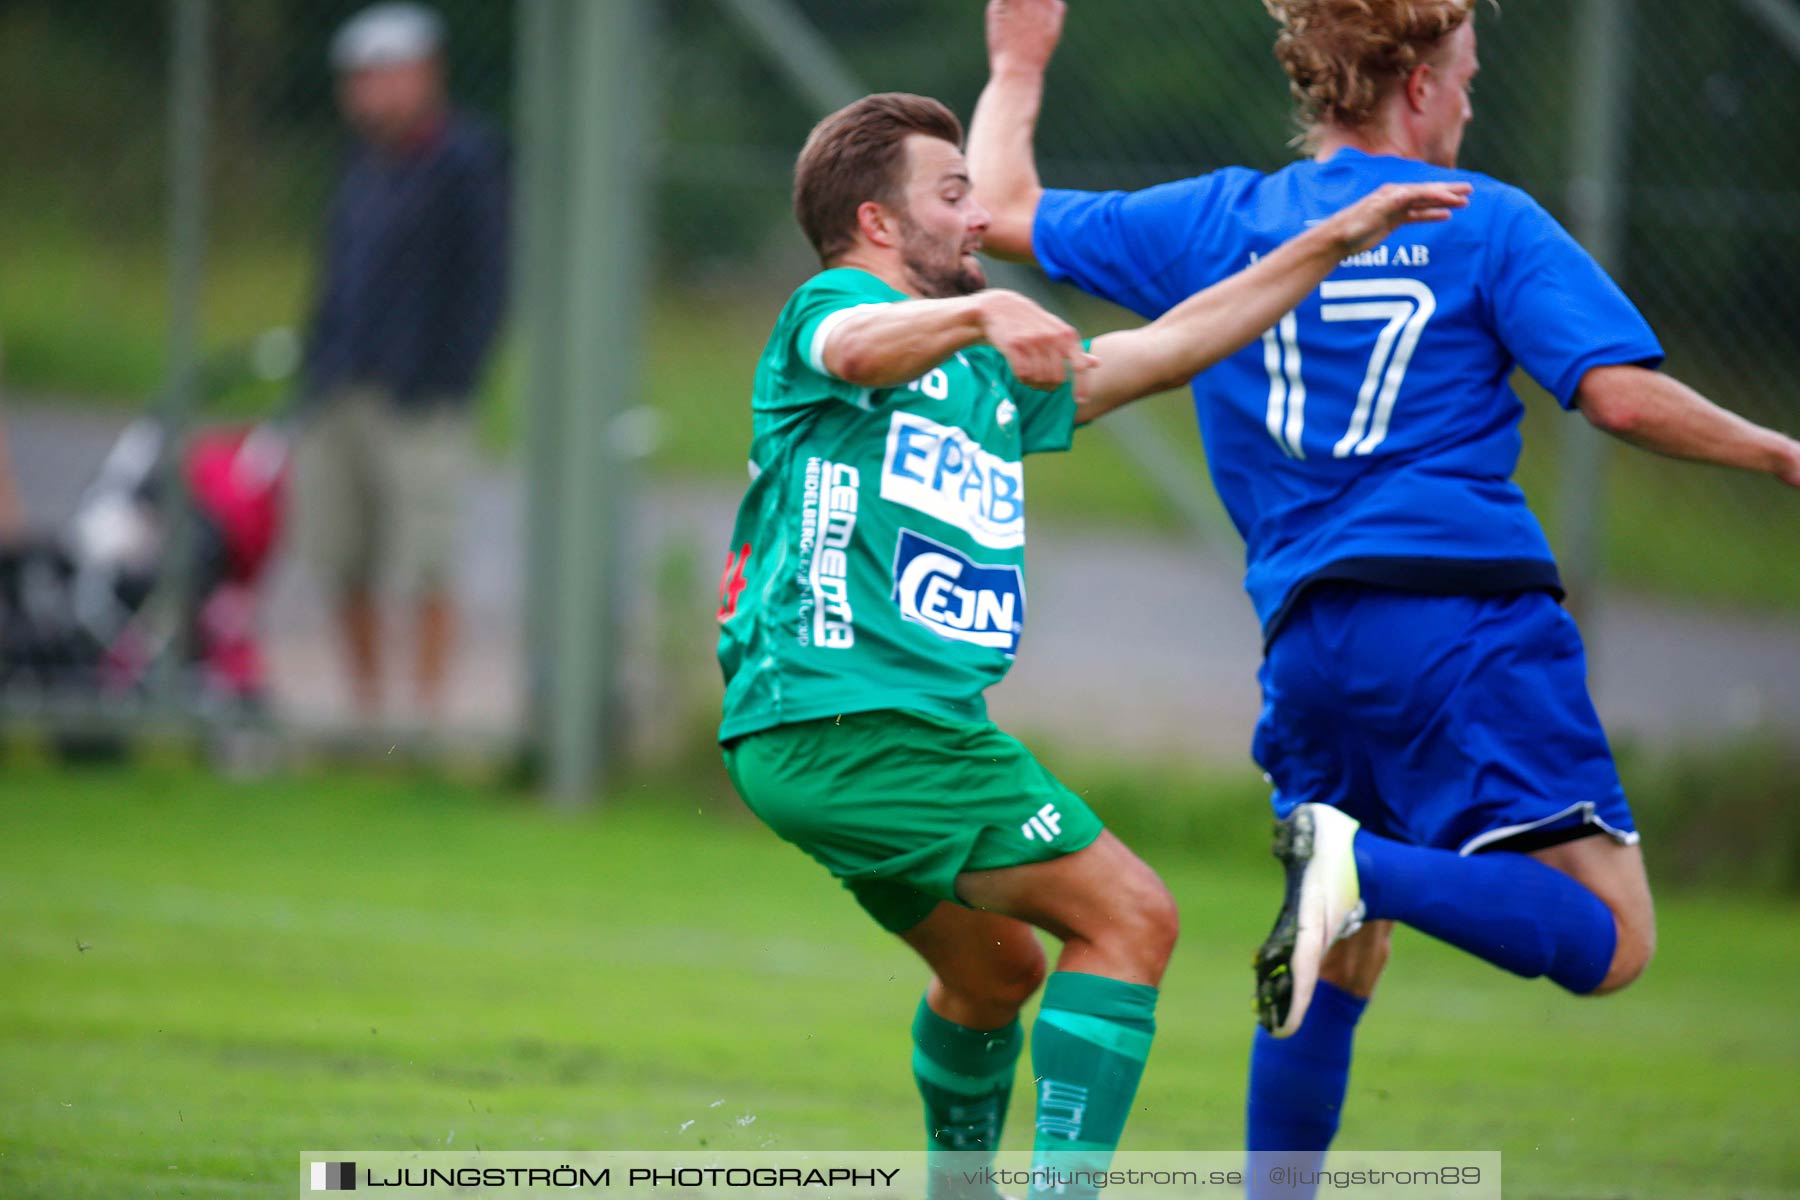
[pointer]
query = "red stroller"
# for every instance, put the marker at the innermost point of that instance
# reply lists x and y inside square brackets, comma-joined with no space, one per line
[95,620]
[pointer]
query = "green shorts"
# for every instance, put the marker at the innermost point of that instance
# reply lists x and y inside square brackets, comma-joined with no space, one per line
[898,804]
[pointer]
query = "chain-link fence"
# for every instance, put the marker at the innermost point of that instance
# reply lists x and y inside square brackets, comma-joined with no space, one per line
[1689,187]
[1679,168]
[148,140]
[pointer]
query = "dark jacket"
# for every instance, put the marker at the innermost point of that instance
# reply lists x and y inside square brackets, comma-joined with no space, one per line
[414,280]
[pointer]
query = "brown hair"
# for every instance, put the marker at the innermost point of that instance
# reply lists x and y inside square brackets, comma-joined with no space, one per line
[1341,55]
[857,154]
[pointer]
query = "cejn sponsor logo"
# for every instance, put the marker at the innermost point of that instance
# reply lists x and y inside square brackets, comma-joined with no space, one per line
[827,521]
[943,472]
[956,598]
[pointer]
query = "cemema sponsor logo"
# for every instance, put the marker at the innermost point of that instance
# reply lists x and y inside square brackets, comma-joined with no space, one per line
[827,522]
[943,472]
[958,599]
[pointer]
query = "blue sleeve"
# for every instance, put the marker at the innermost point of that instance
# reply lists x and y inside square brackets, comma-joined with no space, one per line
[1131,248]
[1556,311]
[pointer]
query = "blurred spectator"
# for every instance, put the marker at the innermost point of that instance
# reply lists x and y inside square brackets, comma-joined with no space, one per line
[410,295]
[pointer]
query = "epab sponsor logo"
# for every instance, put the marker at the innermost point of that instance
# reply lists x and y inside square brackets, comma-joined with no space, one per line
[957,598]
[941,471]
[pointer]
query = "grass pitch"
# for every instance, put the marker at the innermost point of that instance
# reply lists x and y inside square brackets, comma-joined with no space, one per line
[202,979]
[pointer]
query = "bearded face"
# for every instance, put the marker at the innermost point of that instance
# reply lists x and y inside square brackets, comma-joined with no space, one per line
[942,262]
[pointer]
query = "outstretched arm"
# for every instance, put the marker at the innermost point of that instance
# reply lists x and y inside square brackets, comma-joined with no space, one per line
[1228,316]
[1021,37]
[882,345]
[1660,413]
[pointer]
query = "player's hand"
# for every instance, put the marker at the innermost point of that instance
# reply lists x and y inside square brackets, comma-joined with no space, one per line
[1039,347]
[1367,223]
[1022,34]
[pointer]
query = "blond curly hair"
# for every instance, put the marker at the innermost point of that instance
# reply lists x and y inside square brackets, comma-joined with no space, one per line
[1341,55]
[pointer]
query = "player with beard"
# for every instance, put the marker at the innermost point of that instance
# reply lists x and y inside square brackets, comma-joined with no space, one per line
[874,589]
[1426,723]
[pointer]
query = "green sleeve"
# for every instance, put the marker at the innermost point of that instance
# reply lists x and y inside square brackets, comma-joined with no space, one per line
[816,309]
[1046,419]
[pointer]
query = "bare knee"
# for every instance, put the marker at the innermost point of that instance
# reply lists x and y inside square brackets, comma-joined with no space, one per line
[1614,873]
[1016,972]
[1130,937]
[1111,911]
[1636,947]
[986,990]
[1356,963]
[1143,930]
[1160,925]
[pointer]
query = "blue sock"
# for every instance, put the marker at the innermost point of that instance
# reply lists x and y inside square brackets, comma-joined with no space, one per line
[1509,909]
[1297,1087]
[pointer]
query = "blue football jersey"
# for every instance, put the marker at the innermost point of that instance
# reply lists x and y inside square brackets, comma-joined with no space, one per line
[1372,433]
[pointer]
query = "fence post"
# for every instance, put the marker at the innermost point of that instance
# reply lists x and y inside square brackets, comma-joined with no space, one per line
[542,187]
[190,98]
[1596,198]
[584,243]
[190,69]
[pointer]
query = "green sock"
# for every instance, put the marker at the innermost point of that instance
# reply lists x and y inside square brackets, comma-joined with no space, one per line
[1087,1053]
[965,1077]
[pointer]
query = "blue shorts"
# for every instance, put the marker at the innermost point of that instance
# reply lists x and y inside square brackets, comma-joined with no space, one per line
[1457,722]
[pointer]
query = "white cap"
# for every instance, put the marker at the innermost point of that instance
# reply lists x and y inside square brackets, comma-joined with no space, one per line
[385,34]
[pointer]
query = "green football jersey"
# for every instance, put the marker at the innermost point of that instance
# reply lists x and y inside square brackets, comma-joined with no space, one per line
[878,559]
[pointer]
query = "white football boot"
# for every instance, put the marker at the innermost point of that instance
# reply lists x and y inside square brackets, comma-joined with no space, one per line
[1323,904]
